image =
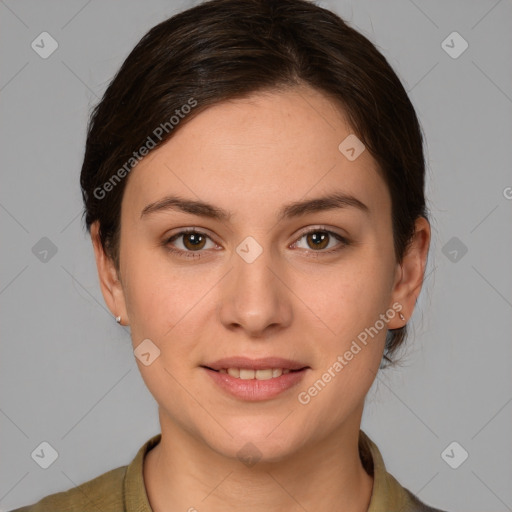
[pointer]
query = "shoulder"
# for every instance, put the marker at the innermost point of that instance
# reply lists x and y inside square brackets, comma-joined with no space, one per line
[387,494]
[105,492]
[112,491]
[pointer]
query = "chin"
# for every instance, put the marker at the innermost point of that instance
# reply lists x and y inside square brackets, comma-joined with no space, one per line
[256,445]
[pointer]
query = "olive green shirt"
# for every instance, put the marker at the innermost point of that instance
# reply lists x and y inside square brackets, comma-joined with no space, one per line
[122,489]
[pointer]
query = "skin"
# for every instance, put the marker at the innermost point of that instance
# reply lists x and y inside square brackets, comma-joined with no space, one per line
[251,157]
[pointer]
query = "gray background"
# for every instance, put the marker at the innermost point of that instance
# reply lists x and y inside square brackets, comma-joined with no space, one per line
[68,374]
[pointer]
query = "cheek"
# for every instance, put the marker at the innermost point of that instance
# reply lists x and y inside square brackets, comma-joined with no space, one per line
[350,343]
[164,299]
[349,298]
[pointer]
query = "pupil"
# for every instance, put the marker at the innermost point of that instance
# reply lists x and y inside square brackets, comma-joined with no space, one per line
[318,238]
[194,238]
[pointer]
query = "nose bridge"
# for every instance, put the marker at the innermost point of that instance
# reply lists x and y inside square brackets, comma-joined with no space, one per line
[254,297]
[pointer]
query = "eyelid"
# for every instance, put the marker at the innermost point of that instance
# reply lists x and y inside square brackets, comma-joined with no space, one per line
[190,229]
[320,227]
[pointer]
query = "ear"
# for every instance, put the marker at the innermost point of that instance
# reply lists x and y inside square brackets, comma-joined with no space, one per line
[410,274]
[110,284]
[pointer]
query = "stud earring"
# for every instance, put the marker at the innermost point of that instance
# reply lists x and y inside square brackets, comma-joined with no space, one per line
[402,317]
[118,319]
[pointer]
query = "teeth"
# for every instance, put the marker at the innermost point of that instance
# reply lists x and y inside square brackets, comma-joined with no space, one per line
[247,374]
[234,372]
[264,374]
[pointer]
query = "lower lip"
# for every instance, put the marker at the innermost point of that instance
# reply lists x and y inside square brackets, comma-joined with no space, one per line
[254,389]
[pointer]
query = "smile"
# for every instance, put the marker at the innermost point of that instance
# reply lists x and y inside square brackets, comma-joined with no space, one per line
[248,373]
[255,385]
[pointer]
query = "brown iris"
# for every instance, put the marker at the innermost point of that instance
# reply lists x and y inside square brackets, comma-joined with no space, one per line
[318,238]
[195,241]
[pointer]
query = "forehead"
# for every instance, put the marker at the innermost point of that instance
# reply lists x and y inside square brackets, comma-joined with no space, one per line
[259,152]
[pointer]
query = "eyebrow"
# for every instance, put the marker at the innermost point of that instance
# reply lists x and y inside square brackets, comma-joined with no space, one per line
[335,200]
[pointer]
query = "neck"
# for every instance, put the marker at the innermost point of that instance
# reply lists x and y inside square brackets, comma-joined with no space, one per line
[182,473]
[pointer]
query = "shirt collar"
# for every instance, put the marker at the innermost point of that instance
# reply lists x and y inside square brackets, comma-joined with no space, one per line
[387,493]
[136,498]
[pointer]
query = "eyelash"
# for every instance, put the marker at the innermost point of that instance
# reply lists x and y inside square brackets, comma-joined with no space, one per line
[197,254]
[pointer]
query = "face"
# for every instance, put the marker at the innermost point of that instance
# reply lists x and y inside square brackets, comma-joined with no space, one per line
[317,285]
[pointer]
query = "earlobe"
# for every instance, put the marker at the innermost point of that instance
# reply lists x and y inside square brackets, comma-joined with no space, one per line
[412,270]
[110,285]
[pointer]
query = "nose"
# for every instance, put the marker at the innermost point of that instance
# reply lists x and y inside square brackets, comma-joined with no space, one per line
[254,296]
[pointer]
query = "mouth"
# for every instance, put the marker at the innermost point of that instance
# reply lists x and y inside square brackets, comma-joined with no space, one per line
[257,374]
[254,379]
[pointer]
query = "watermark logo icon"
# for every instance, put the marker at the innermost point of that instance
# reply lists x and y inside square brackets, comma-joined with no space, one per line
[454,45]
[44,455]
[44,45]
[454,249]
[351,147]
[454,455]
[146,352]
[249,249]
[44,250]
[249,454]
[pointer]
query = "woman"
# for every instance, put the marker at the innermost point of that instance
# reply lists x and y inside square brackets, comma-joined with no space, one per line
[254,189]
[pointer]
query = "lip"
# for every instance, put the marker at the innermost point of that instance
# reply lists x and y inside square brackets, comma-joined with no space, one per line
[253,389]
[255,364]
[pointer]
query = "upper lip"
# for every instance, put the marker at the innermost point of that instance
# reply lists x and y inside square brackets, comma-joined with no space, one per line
[255,364]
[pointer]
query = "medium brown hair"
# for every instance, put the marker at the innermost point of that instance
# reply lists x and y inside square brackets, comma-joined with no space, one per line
[227,49]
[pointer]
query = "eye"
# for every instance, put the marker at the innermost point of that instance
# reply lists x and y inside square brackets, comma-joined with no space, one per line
[193,242]
[319,239]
